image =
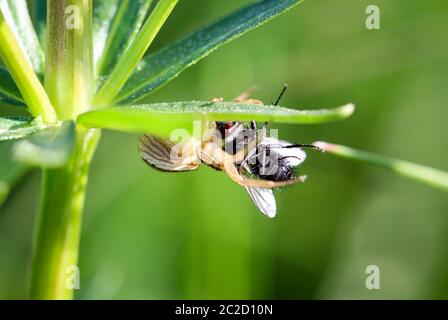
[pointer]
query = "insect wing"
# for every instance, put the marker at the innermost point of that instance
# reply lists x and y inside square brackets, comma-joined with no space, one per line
[279,149]
[292,157]
[264,200]
[159,154]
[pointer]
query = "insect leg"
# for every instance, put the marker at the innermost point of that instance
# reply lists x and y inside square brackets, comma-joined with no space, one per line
[242,154]
[301,145]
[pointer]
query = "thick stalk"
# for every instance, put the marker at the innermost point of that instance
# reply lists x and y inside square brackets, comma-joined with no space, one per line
[69,62]
[69,83]
[55,255]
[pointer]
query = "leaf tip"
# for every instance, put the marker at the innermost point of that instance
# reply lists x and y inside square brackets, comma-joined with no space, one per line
[325,146]
[347,110]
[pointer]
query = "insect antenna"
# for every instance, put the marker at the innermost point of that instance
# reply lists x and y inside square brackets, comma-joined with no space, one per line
[281,94]
[303,145]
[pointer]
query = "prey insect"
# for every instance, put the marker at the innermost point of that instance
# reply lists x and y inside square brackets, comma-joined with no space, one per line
[242,150]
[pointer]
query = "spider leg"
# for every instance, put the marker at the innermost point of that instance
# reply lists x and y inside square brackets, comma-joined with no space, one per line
[252,101]
[246,94]
[229,167]
[217,158]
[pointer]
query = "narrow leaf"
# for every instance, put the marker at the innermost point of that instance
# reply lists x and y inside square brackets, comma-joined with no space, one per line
[126,24]
[130,59]
[50,148]
[9,93]
[135,120]
[426,175]
[24,77]
[161,67]
[104,12]
[18,127]
[17,15]
[38,13]
[162,118]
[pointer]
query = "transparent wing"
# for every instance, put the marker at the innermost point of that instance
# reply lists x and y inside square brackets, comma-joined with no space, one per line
[164,155]
[264,200]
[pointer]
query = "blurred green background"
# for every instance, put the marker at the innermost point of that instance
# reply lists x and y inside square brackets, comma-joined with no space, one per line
[150,235]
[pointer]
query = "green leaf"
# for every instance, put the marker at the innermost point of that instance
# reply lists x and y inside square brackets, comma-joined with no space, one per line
[27,82]
[162,118]
[104,12]
[128,19]
[50,148]
[38,13]
[13,128]
[426,175]
[163,66]
[11,172]
[9,93]
[135,120]
[132,56]
[17,16]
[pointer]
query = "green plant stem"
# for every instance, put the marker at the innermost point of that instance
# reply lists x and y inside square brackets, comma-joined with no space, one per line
[69,83]
[22,72]
[69,66]
[59,221]
[128,62]
[426,175]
